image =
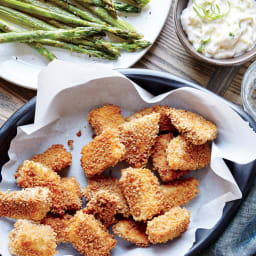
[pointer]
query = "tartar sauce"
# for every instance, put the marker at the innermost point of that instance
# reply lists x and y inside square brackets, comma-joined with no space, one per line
[220,28]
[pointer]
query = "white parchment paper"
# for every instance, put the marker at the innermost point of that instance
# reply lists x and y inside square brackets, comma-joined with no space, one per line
[66,94]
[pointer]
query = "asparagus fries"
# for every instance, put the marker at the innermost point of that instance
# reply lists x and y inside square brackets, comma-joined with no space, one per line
[34,10]
[71,25]
[5,27]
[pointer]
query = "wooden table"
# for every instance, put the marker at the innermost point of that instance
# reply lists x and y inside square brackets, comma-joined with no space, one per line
[168,55]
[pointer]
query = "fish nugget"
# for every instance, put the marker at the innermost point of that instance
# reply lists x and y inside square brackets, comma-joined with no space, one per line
[72,194]
[89,236]
[138,137]
[192,126]
[164,122]
[32,174]
[142,192]
[110,185]
[31,239]
[30,203]
[59,225]
[56,158]
[131,231]
[103,206]
[180,192]
[168,226]
[159,159]
[108,116]
[103,152]
[182,155]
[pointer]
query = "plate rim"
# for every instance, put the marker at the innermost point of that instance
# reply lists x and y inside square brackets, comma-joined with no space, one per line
[143,52]
[9,128]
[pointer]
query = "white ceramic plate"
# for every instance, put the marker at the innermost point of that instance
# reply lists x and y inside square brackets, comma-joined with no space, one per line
[21,65]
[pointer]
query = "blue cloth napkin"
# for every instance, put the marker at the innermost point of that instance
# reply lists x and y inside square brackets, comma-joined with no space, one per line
[239,239]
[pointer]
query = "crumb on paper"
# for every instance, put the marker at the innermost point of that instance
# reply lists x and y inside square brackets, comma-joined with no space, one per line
[79,133]
[71,144]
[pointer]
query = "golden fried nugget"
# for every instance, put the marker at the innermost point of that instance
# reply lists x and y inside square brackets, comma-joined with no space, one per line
[72,194]
[168,226]
[138,137]
[59,225]
[182,155]
[110,185]
[180,192]
[142,192]
[192,126]
[131,231]
[89,236]
[103,206]
[31,239]
[56,158]
[30,203]
[164,122]
[108,116]
[103,152]
[65,197]
[159,159]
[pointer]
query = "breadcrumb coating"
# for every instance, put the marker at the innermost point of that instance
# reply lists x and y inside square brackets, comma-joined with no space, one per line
[164,122]
[168,226]
[192,126]
[103,152]
[131,231]
[65,192]
[103,206]
[108,116]
[59,225]
[89,236]
[30,203]
[56,158]
[142,192]
[110,185]
[31,239]
[159,159]
[138,137]
[180,192]
[182,155]
[72,194]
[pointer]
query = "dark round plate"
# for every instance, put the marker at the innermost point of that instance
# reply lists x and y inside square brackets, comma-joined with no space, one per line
[156,83]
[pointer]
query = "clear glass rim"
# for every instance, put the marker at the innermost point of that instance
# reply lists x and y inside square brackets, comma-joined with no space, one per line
[244,89]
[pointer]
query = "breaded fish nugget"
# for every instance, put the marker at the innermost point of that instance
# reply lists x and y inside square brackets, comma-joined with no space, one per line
[168,226]
[164,122]
[110,185]
[30,203]
[103,206]
[32,174]
[192,126]
[182,155]
[59,225]
[31,239]
[103,152]
[138,137]
[180,192]
[108,116]
[72,194]
[142,192]
[159,159]
[131,231]
[89,236]
[56,158]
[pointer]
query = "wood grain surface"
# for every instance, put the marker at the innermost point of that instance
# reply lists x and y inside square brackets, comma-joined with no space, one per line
[168,55]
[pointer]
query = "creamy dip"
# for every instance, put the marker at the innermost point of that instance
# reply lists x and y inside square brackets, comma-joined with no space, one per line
[220,28]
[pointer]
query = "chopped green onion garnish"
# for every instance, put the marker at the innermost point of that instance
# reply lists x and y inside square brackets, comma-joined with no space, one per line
[210,11]
[231,34]
[203,44]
